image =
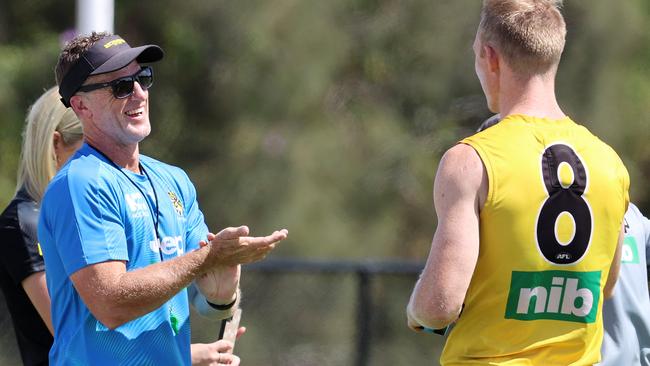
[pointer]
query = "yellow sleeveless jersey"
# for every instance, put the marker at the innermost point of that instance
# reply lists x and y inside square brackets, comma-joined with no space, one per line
[548,234]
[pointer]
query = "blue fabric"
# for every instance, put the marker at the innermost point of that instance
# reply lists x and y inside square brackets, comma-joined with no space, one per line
[626,315]
[92,213]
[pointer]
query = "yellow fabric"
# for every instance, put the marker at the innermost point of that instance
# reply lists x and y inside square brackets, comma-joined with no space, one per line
[486,333]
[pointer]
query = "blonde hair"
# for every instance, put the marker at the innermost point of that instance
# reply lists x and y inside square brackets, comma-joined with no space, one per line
[530,34]
[37,160]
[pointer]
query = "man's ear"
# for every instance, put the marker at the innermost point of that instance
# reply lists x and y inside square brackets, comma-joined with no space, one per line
[79,105]
[57,140]
[493,58]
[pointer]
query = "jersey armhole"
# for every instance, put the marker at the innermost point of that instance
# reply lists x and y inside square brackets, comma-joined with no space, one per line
[488,169]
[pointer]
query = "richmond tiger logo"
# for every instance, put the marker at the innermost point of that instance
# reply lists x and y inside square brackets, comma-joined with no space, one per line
[178,205]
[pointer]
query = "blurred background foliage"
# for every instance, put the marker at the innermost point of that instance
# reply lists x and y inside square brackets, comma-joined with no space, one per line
[329,117]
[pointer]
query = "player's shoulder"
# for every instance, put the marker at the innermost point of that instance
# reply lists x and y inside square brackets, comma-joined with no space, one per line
[460,152]
[83,169]
[27,211]
[637,224]
[495,133]
[460,163]
[9,216]
[590,138]
[633,213]
[84,172]
[172,176]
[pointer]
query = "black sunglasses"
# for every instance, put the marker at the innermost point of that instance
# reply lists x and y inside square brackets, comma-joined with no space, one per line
[123,87]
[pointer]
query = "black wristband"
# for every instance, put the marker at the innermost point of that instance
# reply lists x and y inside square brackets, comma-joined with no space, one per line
[222,307]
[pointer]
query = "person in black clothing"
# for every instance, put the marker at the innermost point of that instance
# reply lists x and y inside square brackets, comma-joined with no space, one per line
[52,133]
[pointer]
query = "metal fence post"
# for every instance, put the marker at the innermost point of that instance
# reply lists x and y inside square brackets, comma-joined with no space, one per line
[364,317]
[365,272]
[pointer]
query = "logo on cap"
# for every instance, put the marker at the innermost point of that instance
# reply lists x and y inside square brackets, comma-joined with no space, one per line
[114,42]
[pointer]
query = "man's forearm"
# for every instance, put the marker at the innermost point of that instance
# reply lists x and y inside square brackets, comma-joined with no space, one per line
[427,312]
[116,296]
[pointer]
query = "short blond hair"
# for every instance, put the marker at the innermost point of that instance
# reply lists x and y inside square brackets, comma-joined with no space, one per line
[530,34]
[37,160]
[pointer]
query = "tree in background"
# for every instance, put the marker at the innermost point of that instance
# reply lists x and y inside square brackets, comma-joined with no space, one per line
[328,117]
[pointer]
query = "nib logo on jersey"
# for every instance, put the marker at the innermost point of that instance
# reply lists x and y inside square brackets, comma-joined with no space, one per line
[555,295]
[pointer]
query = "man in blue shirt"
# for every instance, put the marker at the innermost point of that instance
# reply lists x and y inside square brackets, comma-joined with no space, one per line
[122,233]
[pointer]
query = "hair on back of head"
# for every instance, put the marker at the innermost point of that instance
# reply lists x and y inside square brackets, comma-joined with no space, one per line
[72,51]
[530,34]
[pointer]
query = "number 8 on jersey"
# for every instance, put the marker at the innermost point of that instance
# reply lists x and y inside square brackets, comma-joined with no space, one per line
[564,223]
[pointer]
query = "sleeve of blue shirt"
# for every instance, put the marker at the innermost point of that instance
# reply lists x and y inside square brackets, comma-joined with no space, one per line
[644,225]
[87,221]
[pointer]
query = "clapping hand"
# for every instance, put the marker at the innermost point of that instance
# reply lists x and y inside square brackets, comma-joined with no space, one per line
[232,246]
[229,248]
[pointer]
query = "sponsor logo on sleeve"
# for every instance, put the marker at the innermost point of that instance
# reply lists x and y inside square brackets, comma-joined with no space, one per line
[630,251]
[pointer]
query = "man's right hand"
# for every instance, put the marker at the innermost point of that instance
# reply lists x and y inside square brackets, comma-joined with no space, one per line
[232,246]
[217,353]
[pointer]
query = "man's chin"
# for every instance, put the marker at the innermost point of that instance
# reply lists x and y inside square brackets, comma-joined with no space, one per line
[135,136]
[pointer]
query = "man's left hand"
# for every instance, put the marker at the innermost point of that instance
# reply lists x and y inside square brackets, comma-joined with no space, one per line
[219,285]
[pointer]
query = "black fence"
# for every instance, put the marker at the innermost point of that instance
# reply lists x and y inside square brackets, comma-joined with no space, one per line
[314,313]
[364,272]
[321,313]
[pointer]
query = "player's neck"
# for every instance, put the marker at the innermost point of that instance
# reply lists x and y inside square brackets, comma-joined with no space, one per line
[125,156]
[534,97]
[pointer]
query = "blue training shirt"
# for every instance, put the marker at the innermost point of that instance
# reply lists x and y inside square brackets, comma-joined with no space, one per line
[93,213]
[627,314]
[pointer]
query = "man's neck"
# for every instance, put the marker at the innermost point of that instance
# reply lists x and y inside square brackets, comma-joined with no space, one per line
[533,97]
[125,156]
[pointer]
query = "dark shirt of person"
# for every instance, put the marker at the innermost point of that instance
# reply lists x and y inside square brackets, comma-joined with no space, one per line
[21,258]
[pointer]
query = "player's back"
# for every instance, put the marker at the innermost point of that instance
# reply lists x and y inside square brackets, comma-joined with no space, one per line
[548,234]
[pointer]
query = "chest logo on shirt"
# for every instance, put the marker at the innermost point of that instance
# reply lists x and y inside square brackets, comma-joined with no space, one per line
[178,205]
[168,245]
[137,205]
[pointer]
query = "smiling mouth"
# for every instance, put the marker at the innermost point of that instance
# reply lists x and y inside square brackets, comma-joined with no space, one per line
[135,112]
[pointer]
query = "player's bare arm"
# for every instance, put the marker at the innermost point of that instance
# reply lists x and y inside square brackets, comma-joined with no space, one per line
[115,296]
[612,277]
[459,191]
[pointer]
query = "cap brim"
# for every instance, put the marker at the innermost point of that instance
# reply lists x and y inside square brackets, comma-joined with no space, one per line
[143,54]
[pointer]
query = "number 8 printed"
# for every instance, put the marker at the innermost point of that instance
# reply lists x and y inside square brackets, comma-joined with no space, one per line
[565,179]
